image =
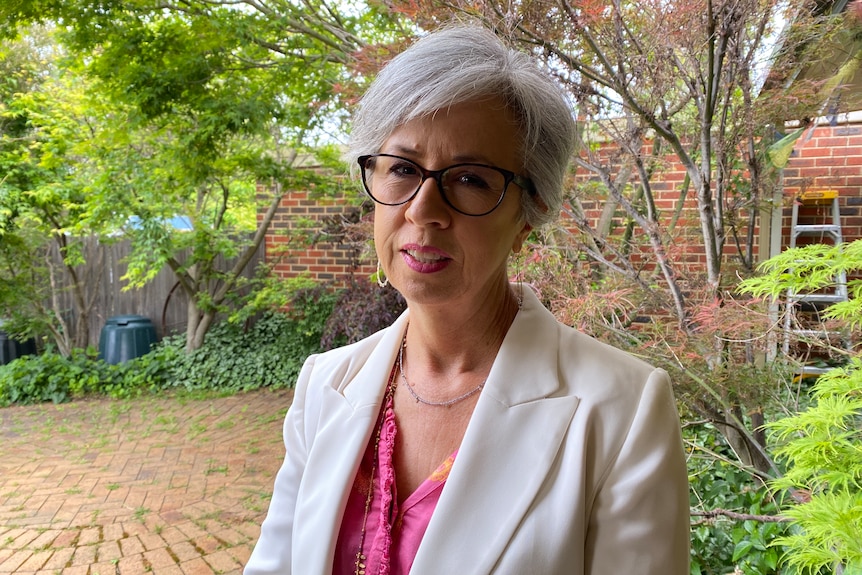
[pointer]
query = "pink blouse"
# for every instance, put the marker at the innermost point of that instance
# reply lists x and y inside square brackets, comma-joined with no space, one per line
[392,533]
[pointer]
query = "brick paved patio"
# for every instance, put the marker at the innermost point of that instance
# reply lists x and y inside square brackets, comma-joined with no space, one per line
[168,485]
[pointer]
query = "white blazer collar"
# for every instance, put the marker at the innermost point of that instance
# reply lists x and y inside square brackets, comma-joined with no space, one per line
[532,340]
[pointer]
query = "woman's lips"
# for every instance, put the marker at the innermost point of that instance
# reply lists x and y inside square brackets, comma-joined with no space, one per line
[424,259]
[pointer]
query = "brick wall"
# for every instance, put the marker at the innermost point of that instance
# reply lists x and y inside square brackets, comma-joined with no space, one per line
[829,158]
[826,157]
[305,238]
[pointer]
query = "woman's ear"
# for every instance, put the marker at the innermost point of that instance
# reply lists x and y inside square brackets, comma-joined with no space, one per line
[543,207]
[518,243]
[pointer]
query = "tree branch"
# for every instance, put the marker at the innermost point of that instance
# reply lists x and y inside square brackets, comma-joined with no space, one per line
[713,513]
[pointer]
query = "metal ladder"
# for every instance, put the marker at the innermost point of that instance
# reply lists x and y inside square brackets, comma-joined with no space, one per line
[829,227]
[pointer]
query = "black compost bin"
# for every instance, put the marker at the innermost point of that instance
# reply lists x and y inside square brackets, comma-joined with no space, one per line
[12,348]
[126,337]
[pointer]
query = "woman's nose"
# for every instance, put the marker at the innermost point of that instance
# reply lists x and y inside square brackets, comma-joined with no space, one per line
[428,205]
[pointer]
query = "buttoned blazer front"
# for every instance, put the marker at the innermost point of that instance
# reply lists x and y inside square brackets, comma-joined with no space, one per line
[572,462]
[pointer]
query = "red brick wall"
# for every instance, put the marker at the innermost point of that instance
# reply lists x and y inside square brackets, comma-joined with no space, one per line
[300,239]
[826,157]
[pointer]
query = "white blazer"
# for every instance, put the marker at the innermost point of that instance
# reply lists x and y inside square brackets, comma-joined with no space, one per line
[572,462]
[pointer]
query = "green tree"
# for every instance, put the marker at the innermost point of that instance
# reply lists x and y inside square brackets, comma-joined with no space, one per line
[205,100]
[822,445]
[44,219]
[668,84]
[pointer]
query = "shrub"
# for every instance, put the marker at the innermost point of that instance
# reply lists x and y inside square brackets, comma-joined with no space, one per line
[823,448]
[721,542]
[52,377]
[270,353]
[149,373]
[821,445]
[362,309]
[234,357]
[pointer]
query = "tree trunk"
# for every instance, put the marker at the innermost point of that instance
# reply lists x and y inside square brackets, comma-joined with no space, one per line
[193,320]
[707,225]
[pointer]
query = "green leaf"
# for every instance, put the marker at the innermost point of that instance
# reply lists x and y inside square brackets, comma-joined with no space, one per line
[779,152]
[741,549]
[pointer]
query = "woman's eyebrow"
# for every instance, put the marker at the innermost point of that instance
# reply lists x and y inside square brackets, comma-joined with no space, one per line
[411,152]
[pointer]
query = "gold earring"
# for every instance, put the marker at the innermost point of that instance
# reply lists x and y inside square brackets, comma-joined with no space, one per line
[518,277]
[381,282]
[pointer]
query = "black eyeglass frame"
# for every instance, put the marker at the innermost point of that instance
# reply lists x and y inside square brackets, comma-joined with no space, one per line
[522,182]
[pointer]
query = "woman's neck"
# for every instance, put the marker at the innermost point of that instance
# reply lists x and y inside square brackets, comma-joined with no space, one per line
[446,340]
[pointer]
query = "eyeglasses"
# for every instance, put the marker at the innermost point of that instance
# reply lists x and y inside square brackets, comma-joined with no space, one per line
[471,189]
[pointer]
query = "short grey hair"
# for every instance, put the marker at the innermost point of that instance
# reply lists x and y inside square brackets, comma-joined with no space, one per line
[466,63]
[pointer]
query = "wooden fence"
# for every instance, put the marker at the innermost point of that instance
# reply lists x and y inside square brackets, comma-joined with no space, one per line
[162,301]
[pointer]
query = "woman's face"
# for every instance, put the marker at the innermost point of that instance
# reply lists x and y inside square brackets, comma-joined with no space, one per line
[430,252]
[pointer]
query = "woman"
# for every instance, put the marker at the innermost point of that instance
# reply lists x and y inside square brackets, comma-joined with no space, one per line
[476,434]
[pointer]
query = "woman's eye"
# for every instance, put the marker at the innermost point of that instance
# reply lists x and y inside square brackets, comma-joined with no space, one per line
[403,170]
[471,180]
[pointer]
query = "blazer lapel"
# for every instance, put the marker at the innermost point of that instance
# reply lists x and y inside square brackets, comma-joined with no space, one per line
[513,437]
[339,444]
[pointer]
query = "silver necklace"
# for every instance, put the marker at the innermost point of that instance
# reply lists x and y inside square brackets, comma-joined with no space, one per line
[416,396]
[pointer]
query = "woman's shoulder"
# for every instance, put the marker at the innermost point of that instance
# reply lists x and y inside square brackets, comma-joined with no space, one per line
[363,364]
[355,352]
[598,372]
[586,349]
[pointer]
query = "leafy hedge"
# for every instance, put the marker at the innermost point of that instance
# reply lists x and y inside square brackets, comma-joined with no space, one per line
[236,356]
[269,354]
[53,377]
[362,308]
[718,542]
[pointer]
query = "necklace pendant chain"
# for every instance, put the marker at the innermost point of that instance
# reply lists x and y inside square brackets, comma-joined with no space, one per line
[417,397]
[360,555]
